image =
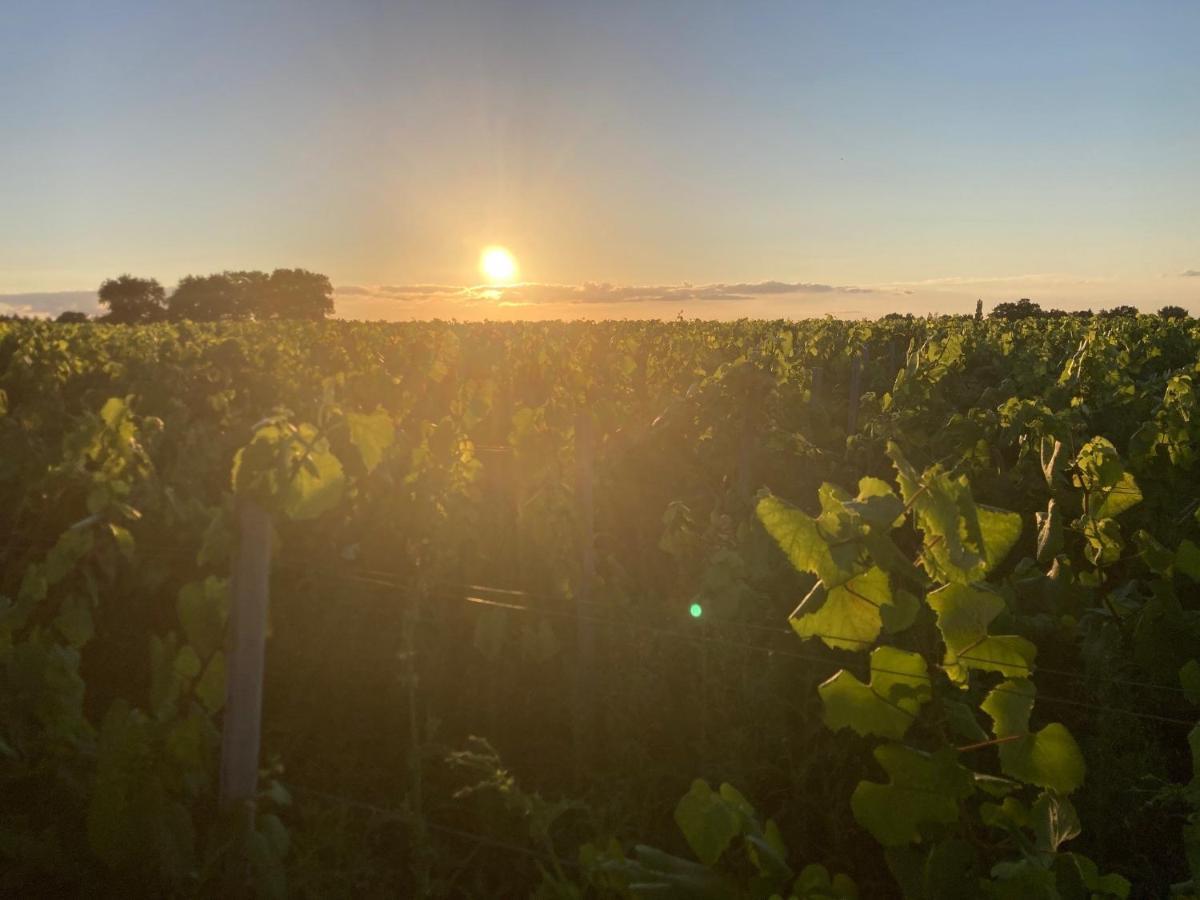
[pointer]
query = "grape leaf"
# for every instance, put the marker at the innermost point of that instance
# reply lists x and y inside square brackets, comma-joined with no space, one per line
[371,434]
[798,537]
[708,821]
[963,615]
[1048,758]
[846,617]
[923,789]
[899,687]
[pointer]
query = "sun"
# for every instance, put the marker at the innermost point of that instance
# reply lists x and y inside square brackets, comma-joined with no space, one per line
[498,265]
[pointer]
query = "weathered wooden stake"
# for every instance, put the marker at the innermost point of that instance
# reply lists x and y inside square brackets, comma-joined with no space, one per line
[585,659]
[856,364]
[244,668]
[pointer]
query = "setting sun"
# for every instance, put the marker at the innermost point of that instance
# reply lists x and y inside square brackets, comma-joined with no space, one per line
[498,265]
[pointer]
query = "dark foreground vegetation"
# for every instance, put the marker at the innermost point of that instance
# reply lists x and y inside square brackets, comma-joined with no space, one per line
[816,609]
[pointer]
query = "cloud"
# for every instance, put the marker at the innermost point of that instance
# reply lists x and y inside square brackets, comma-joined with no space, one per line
[1190,273]
[533,293]
[1049,279]
[48,303]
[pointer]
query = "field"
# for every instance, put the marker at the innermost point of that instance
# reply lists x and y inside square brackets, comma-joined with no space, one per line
[687,609]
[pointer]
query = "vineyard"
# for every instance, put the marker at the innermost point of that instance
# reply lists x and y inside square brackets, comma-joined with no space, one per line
[820,609]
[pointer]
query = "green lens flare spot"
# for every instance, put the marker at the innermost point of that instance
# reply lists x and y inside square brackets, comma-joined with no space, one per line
[696,610]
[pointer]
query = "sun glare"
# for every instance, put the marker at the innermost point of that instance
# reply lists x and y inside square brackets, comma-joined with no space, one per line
[498,265]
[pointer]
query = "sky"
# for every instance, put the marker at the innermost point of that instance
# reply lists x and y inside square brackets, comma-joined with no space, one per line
[639,159]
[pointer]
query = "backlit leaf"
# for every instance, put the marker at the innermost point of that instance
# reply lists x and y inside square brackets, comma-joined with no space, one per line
[847,617]
[371,434]
[886,707]
[923,789]
[709,822]
[1048,758]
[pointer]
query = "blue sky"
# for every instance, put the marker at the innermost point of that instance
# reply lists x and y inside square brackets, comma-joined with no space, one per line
[875,156]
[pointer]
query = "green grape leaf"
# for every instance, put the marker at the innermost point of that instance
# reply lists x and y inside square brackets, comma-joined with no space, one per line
[963,540]
[74,621]
[900,613]
[1187,559]
[1048,758]
[962,720]
[885,554]
[798,537]
[814,883]
[290,469]
[708,821]
[122,754]
[846,617]
[999,531]
[1010,814]
[877,504]
[210,689]
[1072,867]
[1108,489]
[1189,677]
[371,435]
[203,607]
[1121,496]
[1104,542]
[923,789]
[314,487]
[952,869]
[187,664]
[1157,557]
[963,615]
[899,687]
[1054,820]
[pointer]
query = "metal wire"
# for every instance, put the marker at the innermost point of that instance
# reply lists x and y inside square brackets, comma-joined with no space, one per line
[707,639]
[396,812]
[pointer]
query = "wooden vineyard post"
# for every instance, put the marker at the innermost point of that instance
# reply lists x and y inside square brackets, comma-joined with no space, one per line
[856,366]
[745,464]
[244,672]
[585,657]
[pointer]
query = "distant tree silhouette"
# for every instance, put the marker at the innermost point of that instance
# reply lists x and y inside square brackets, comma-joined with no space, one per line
[1173,312]
[1119,312]
[1082,314]
[978,310]
[224,295]
[296,294]
[72,316]
[132,299]
[1021,309]
[284,294]
[893,316]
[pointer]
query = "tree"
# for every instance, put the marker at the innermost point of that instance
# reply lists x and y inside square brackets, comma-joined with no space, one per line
[1119,312]
[296,294]
[1022,309]
[72,317]
[978,310]
[284,294]
[132,299]
[1172,312]
[224,295]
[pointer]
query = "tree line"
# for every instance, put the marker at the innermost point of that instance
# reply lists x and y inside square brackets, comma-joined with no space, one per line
[222,296]
[1027,309]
